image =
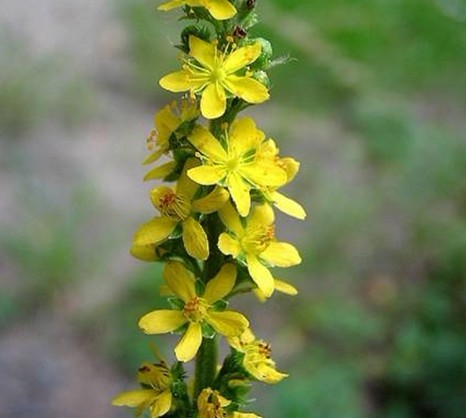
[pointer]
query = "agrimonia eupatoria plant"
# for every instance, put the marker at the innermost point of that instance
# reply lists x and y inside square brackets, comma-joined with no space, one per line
[214,228]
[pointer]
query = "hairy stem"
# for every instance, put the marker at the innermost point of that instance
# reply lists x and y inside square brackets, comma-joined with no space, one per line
[206,365]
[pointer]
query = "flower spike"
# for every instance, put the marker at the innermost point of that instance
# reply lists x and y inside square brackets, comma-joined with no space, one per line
[219,182]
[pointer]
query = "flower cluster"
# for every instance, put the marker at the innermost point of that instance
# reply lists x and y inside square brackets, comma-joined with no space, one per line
[215,222]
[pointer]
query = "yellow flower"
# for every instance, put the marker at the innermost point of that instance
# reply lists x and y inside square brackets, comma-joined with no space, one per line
[197,309]
[166,122]
[256,358]
[210,404]
[254,244]
[213,73]
[280,286]
[145,252]
[156,395]
[238,165]
[269,152]
[177,207]
[219,9]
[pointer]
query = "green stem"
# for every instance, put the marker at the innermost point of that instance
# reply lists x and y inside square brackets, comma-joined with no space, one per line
[206,365]
[213,227]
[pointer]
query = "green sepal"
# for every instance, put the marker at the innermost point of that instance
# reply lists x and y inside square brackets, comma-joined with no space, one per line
[265,58]
[182,329]
[262,77]
[247,16]
[199,286]
[199,31]
[184,130]
[207,331]
[233,381]
[176,303]
[220,305]
[177,371]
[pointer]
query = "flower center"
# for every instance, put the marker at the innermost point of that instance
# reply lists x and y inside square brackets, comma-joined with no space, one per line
[174,206]
[155,375]
[213,408]
[195,310]
[217,74]
[232,164]
[257,238]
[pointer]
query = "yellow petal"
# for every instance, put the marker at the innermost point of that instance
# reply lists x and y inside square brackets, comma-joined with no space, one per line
[213,101]
[207,174]
[248,89]
[207,144]
[152,158]
[280,286]
[264,174]
[185,186]
[247,336]
[241,58]
[239,191]
[161,321]
[212,202]
[134,398]
[221,285]
[230,219]
[244,415]
[189,344]
[177,81]
[160,172]
[288,206]
[291,166]
[166,122]
[144,252]
[165,291]
[285,287]
[220,9]
[261,275]
[162,405]
[259,295]
[262,214]
[267,373]
[228,245]
[195,239]
[281,254]
[228,323]
[202,51]
[180,280]
[154,231]
[172,4]
[244,135]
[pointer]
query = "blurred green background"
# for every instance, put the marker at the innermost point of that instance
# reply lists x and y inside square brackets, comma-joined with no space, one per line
[372,104]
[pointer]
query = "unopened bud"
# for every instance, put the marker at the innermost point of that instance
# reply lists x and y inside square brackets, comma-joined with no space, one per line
[250,4]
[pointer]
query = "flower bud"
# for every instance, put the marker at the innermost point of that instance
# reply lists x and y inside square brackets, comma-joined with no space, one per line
[198,31]
[262,77]
[264,59]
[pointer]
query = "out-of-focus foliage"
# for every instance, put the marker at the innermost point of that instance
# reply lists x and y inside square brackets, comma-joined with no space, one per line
[36,88]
